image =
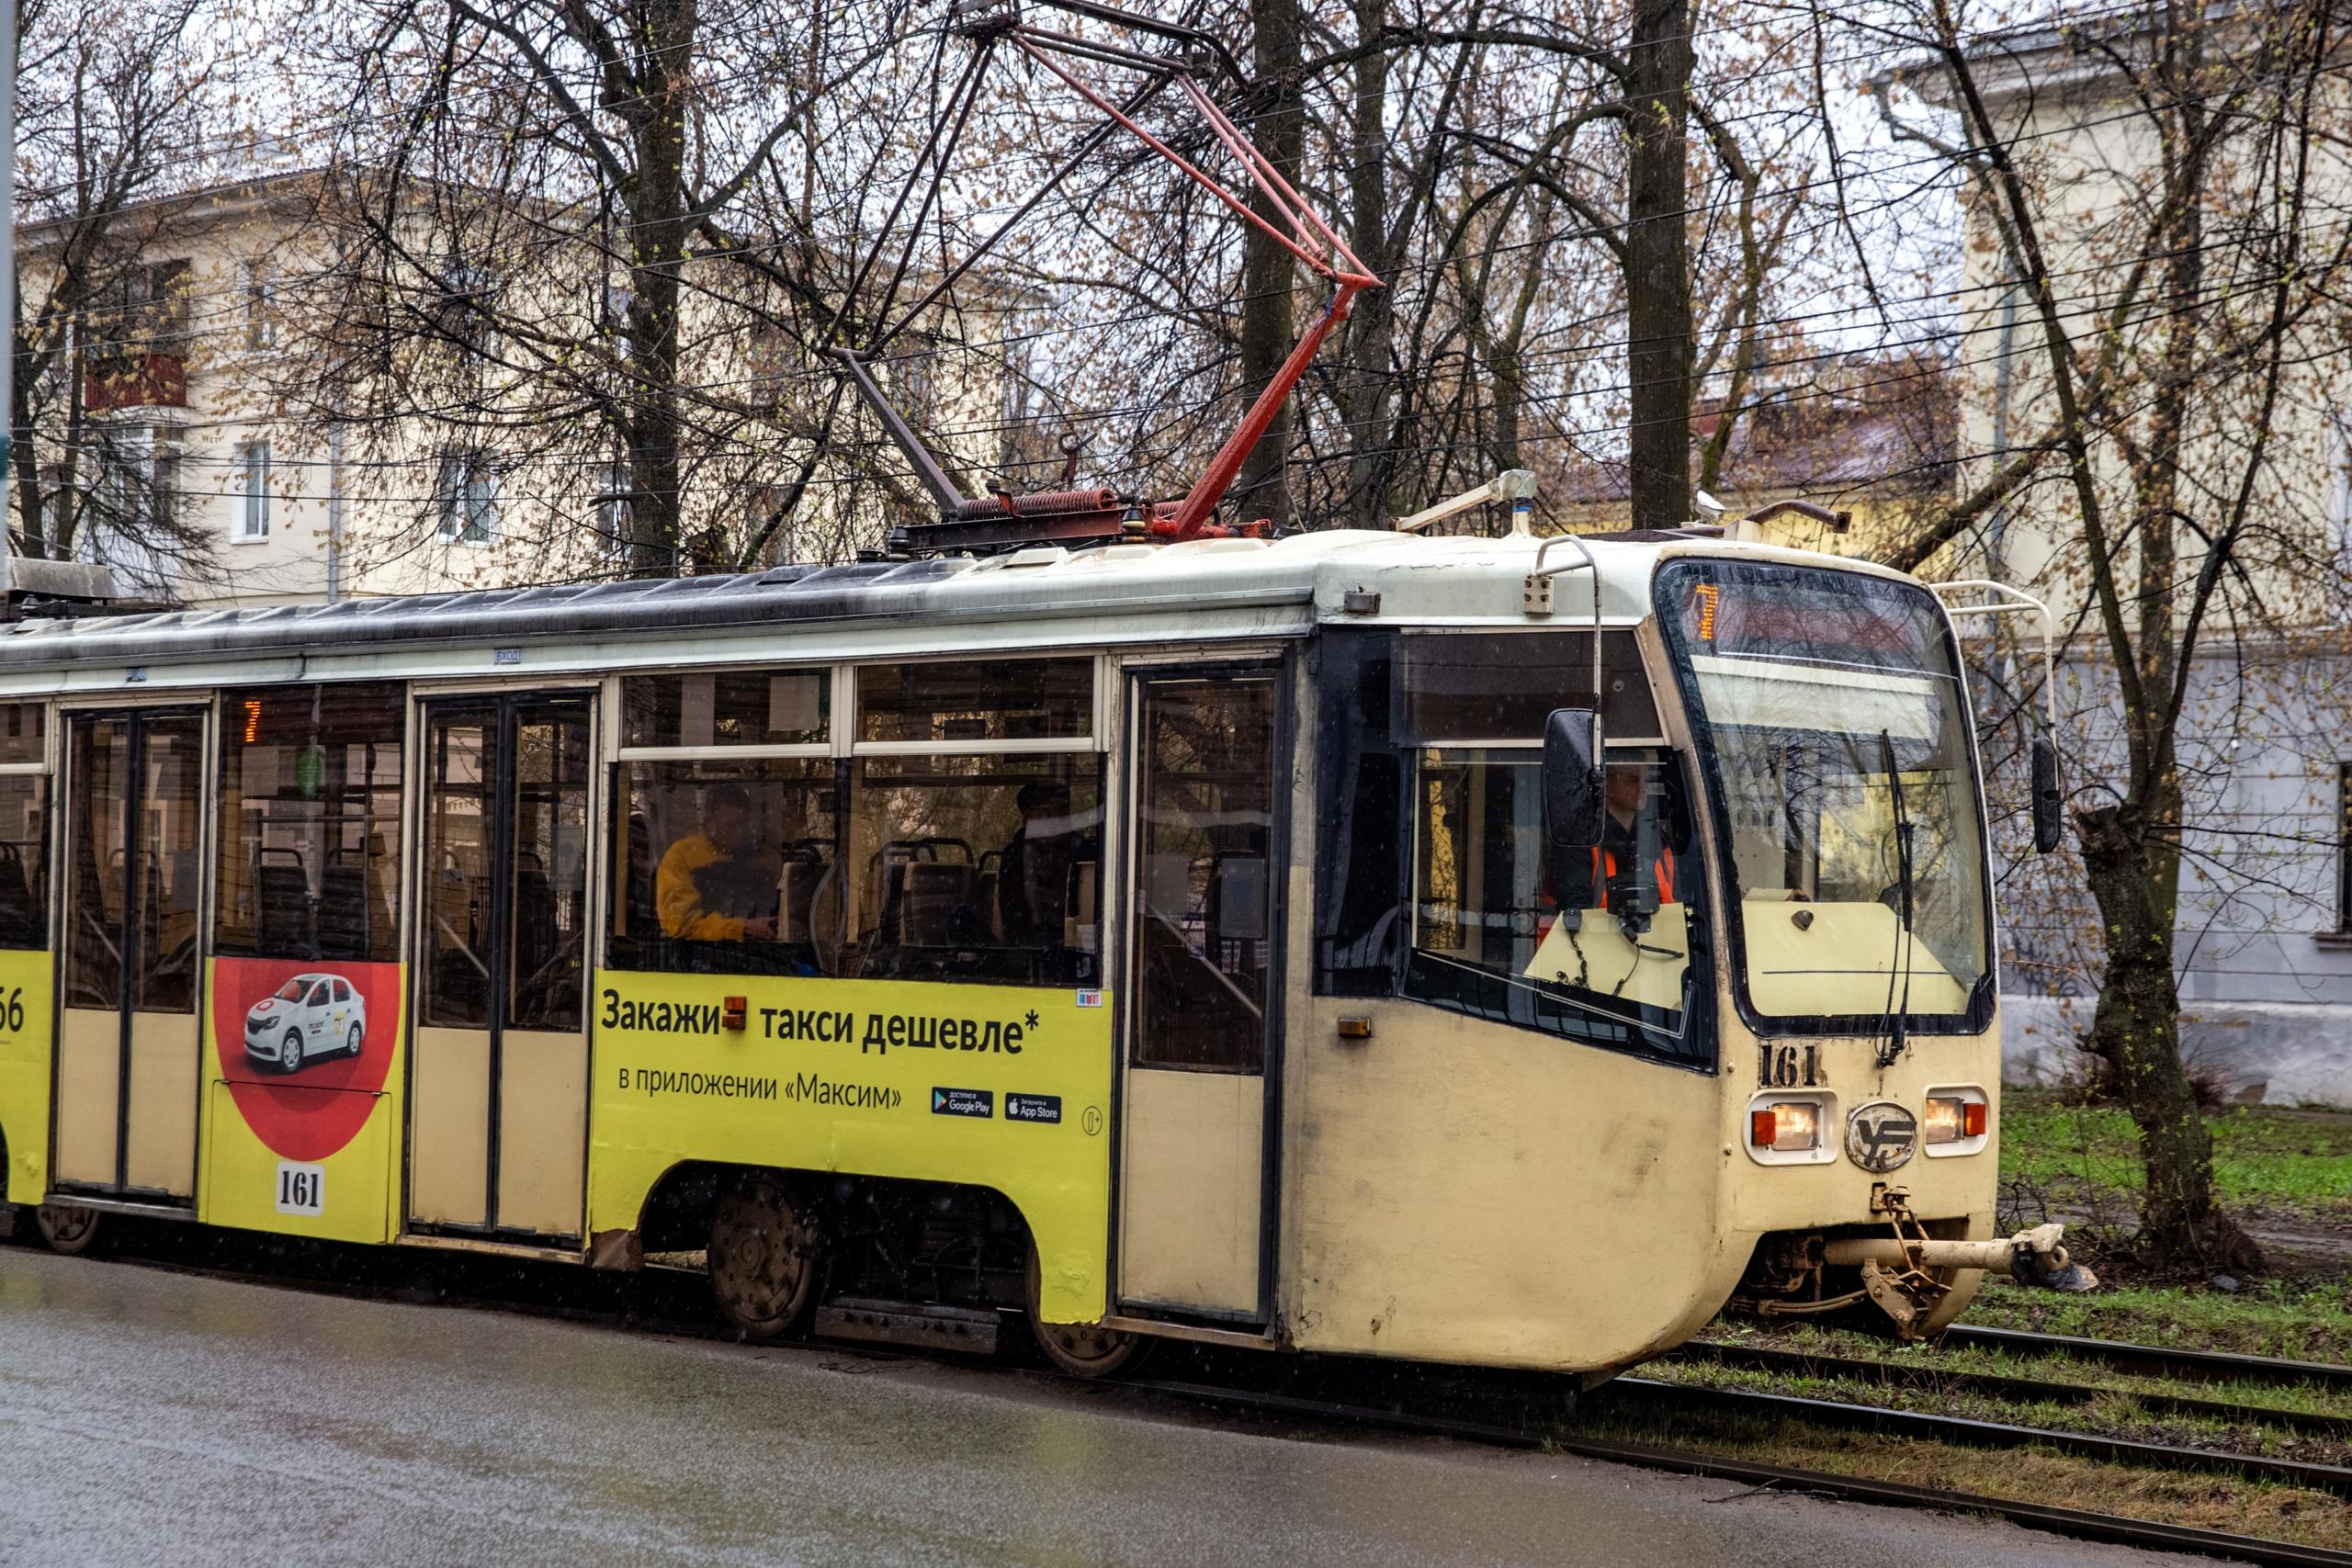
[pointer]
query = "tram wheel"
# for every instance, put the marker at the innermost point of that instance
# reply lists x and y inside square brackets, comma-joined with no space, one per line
[765,1250]
[68,1228]
[1081,1350]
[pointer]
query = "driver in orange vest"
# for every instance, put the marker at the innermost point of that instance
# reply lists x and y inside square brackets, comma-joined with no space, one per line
[1621,796]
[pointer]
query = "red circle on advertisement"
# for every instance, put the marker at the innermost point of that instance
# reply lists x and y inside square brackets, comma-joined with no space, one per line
[305,1048]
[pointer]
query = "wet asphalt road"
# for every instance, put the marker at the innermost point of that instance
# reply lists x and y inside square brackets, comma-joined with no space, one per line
[149,1416]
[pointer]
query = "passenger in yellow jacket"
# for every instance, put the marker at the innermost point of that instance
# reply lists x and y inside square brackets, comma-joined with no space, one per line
[709,886]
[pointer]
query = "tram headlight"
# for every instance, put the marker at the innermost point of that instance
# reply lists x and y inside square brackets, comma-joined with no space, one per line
[1792,1126]
[1955,1121]
[1950,1118]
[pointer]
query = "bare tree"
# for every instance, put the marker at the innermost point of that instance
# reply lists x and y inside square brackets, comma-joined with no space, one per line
[110,105]
[2179,322]
[604,241]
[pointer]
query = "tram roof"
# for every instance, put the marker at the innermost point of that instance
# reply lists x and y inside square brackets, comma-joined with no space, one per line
[1213,588]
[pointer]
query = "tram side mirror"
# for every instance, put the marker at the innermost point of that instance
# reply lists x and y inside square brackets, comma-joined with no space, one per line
[1572,778]
[2048,800]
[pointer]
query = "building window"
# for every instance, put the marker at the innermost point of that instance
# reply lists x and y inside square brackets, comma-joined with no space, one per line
[2343,846]
[465,310]
[465,499]
[253,492]
[259,297]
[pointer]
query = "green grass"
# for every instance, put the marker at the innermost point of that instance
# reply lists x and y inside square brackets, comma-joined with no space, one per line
[2309,1321]
[2291,1162]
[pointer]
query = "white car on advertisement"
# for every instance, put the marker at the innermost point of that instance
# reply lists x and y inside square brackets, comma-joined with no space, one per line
[310,1015]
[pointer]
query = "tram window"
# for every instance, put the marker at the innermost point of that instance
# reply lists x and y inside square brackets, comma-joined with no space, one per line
[98,774]
[981,868]
[547,954]
[1431,879]
[309,822]
[169,831]
[1594,945]
[1461,688]
[726,867]
[726,708]
[460,794]
[1359,844]
[24,861]
[1205,841]
[992,699]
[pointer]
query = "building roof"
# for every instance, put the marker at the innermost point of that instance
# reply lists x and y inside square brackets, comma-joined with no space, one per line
[1877,427]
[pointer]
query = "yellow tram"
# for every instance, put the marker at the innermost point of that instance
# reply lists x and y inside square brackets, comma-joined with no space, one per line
[1324,943]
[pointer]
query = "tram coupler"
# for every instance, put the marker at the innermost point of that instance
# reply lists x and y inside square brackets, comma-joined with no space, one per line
[2031,1257]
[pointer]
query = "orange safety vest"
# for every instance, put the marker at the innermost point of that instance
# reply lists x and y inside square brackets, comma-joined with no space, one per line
[1604,871]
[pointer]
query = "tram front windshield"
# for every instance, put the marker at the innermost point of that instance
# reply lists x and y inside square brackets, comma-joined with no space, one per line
[1834,734]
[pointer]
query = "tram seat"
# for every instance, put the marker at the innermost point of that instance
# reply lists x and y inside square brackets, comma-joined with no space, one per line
[931,896]
[343,909]
[281,901]
[986,888]
[795,892]
[19,920]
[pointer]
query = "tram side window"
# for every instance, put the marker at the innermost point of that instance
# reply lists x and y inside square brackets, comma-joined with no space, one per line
[309,822]
[726,867]
[984,700]
[1434,878]
[24,827]
[978,867]
[726,708]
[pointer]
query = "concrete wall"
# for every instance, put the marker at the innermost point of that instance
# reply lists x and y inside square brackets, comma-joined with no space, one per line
[2265,966]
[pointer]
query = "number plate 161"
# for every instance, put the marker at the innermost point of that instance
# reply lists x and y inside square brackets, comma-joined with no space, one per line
[301,1189]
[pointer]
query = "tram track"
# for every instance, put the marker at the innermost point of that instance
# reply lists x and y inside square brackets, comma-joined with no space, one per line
[669,1301]
[2007,1387]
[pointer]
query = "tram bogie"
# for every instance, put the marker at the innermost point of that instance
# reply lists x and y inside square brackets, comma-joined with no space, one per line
[1160,942]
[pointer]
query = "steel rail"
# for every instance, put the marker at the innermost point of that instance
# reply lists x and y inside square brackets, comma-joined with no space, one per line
[1895,1374]
[2074,1522]
[2197,1366]
[1971,1432]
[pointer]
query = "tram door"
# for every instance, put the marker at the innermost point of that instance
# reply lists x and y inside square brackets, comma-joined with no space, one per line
[129,1045]
[1206,861]
[498,1088]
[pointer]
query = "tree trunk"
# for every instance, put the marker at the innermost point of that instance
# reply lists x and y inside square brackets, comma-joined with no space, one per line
[2133,872]
[1370,333]
[1267,330]
[659,226]
[1658,264]
[24,457]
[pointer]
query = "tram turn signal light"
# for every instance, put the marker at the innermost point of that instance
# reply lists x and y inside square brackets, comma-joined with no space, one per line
[733,1013]
[1790,1127]
[1953,1120]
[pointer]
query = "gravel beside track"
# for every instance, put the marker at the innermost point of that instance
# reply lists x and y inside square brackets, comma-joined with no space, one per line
[1938,1379]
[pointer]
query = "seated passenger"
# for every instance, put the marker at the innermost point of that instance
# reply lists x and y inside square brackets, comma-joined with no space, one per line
[1033,872]
[711,885]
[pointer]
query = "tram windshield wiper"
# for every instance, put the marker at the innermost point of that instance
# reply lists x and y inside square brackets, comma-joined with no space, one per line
[1897,1012]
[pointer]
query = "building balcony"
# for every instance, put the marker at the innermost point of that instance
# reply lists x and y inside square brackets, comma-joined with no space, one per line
[136,381]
